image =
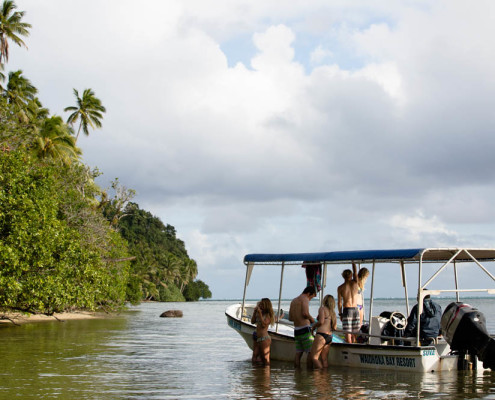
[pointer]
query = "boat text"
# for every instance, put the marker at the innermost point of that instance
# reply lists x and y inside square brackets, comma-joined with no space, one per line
[407,362]
[234,324]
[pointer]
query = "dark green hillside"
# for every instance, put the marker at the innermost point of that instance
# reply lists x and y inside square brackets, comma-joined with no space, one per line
[162,269]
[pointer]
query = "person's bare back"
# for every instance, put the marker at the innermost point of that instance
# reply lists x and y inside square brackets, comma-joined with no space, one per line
[299,311]
[348,294]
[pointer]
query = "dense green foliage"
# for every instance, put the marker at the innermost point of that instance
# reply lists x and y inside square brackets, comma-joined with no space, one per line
[50,260]
[196,290]
[162,269]
[64,244]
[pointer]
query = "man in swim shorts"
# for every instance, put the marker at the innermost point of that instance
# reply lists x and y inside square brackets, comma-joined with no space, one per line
[299,313]
[347,305]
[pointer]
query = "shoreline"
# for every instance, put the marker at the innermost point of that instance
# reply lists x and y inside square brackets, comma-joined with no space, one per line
[17,318]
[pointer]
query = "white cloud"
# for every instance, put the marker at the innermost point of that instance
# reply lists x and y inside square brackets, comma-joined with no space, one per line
[343,120]
[427,232]
[319,55]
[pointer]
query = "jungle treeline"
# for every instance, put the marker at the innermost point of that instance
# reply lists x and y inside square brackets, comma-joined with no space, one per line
[65,242]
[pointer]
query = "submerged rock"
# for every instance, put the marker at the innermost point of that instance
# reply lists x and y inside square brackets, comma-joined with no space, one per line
[172,314]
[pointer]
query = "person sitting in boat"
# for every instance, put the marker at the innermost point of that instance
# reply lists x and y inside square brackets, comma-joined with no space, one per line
[263,316]
[299,314]
[347,305]
[360,277]
[326,324]
[430,320]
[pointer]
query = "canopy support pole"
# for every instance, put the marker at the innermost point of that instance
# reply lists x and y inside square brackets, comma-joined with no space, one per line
[280,294]
[456,283]
[404,284]
[370,314]
[249,269]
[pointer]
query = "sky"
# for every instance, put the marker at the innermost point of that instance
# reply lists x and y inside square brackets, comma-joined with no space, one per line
[267,126]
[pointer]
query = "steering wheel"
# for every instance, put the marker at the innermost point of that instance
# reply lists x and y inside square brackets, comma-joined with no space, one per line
[398,320]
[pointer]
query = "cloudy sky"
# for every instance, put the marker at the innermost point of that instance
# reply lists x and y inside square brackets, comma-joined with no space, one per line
[272,126]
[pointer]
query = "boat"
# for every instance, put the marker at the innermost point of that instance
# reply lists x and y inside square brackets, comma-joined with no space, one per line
[465,343]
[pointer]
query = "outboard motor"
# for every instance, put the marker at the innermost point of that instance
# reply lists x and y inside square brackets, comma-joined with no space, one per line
[464,328]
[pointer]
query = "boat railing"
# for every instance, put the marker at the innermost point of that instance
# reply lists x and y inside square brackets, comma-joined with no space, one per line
[392,339]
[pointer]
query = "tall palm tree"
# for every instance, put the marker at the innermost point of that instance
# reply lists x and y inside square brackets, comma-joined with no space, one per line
[55,140]
[2,77]
[11,28]
[89,110]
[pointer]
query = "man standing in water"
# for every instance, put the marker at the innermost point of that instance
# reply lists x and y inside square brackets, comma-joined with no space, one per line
[347,305]
[299,313]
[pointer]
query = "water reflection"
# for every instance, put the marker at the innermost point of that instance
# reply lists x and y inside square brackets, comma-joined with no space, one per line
[142,356]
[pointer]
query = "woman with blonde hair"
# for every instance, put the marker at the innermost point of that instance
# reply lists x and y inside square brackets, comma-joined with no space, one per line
[326,324]
[263,316]
[360,277]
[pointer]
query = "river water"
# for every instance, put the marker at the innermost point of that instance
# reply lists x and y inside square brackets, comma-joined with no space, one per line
[138,355]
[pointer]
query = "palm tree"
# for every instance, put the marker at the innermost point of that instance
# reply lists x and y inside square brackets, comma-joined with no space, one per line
[89,110]
[11,27]
[19,90]
[188,271]
[36,111]
[55,140]
[2,77]
[19,93]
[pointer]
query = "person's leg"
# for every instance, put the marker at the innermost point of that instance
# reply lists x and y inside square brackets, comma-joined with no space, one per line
[324,355]
[297,360]
[256,348]
[308,344]
[265,351]
[356,317]
[347,325]
[316,349]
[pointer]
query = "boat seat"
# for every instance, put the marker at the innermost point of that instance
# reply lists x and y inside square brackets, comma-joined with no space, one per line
[376,329]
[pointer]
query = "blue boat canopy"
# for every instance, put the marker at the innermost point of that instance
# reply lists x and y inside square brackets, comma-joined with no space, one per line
[369,256]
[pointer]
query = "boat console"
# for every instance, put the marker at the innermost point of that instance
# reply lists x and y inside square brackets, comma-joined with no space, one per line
[464,328]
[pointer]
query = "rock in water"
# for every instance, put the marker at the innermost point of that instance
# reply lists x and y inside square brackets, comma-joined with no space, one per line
[172,314]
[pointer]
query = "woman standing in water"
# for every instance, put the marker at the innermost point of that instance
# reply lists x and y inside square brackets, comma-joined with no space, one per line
[263,316]
[326,324]
[360,277]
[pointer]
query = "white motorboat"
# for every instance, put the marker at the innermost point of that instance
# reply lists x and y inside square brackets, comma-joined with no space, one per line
[465,343]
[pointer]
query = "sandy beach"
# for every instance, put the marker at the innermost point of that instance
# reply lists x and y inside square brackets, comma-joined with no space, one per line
[20,318]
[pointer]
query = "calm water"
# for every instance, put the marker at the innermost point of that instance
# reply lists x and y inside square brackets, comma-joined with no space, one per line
[141,356]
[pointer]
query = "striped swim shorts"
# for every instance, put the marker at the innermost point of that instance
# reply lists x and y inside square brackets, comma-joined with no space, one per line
[304,339]
[350,319]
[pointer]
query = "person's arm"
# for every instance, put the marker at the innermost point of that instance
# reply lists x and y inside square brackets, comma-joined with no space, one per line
[255,312]
[264,320]
[321,317]
[305,312]
[339,302]
[355,273]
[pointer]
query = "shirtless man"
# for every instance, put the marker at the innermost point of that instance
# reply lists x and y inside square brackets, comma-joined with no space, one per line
[299,313]
[347,305]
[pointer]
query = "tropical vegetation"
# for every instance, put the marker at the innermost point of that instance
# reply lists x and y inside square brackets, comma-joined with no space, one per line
[66,243]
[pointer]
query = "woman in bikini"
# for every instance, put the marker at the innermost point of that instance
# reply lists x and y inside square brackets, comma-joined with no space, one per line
[326,324]
[360,277]
[263,316]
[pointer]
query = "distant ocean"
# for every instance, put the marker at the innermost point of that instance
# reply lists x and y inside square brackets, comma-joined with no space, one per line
[142,356]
